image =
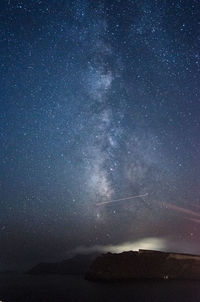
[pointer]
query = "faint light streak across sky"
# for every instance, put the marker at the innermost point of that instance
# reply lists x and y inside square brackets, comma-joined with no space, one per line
[116,200]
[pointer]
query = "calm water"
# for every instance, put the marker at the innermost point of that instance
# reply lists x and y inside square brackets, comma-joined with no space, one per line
[69,288]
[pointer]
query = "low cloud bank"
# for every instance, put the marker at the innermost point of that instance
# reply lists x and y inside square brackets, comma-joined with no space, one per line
[150,243]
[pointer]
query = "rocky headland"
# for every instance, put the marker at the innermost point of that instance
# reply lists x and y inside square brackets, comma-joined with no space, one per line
[77,265]
[144,264]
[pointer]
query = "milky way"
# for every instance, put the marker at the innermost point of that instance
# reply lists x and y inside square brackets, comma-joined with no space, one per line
[100,102]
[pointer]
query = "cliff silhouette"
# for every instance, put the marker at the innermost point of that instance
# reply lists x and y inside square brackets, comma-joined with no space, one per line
[144,264]
[77,265]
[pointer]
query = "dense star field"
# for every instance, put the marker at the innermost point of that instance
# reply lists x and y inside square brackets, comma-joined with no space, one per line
[100,101]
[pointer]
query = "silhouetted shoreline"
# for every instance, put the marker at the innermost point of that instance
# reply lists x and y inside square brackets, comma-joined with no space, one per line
[144,264]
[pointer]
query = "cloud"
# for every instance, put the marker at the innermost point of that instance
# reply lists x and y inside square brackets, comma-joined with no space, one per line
[151,243]
[148,243]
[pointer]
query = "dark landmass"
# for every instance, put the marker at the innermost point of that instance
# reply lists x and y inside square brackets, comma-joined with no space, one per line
[78,265]
[144,264]
[10,272]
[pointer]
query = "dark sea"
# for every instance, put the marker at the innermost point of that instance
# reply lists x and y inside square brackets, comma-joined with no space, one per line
[25,288]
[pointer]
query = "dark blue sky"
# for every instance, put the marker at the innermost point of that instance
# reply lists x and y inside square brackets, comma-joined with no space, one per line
[100,100]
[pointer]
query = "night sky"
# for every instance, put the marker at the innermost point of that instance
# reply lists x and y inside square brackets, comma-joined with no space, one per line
[100,100]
